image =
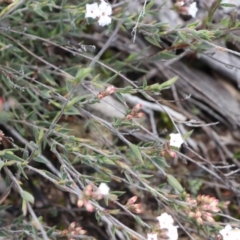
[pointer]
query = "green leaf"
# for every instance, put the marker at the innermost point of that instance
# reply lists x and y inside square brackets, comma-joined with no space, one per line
[4,234]
[173,182]
[73,101]
[1,164]
[153,41]
[4,207]
[40,136]
[169,82]
[50,231]
[112,78]
[136,152]
[8,155]
[40,159]
[22,171]
[81,74]
[227,5]
[144,82]
[24,207]
[120,97]
[27,196]
[187,135]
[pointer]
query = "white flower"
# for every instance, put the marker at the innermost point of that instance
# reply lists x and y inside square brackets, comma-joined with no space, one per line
[103,189]
[192,9]
[105,11]
[235,234]
[152,236]
[92,10]
[228,233]
[172,232]
[225,232]
[165,220]
[176,140]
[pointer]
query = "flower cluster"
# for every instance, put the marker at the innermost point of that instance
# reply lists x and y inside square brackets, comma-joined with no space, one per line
[110,90]
[166,229]
[229,233]
[135,112]
[132,206]
[73,230]
[186,7]
[101,11]
[202,208]
[89,194]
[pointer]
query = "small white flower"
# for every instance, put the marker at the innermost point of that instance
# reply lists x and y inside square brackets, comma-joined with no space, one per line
[176,140]
[152,236]
[105,11]
[235,234]
[103,189]
[228,233]
[165,220]
[192,9]
[172,232]
[92,11]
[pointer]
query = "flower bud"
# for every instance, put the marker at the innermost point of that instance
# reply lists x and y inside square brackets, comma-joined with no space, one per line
[132,200]
[139,115]
[80,202]
[89,207]
[199,220]
[137,108]
[110,90]
[129,117]
[72,225]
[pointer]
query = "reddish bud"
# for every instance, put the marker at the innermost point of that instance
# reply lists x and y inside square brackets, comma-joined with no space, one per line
[80,202]
[89,207]
[139,115]
[199,220]
[132,200]
[88,190]
[129,117]
[110,90]
[172,154]
[137,107]
[137,208]
[72,226]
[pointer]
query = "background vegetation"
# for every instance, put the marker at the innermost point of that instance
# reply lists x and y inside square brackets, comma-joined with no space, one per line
[58,138]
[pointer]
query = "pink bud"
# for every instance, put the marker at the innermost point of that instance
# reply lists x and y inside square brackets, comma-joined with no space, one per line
[88,190]
[172,154]
[100,96]
[198,214]
[89,207]
[137,107]
[192,214]
[110,90]
[72,225]
[129,117]
[132,200]
[137,208]
[210,219]
[80,202]
[199,220]
[139,115]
